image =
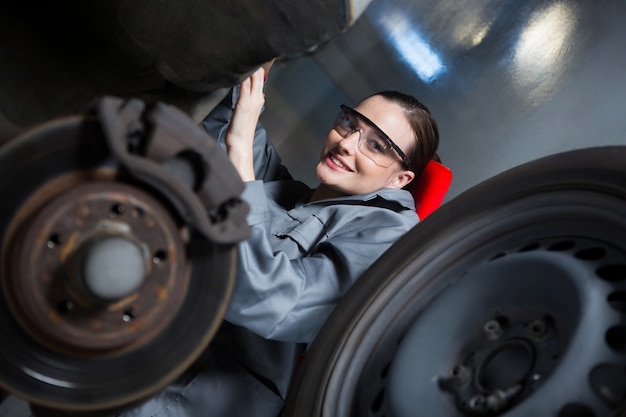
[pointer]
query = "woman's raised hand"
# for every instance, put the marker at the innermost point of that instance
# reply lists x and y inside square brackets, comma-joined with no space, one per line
[240,134]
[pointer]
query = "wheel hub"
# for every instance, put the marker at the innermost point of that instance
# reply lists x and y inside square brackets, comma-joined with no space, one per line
[99,268]
[503,365]
[517,319]
[112,267]
[116,265]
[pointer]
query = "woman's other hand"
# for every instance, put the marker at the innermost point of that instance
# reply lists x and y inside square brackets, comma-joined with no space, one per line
[240,134]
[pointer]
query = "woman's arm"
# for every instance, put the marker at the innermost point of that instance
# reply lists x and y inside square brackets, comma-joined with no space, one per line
[267,163]
[239,138]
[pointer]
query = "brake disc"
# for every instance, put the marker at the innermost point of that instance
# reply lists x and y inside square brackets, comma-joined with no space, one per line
[507,301]
[118,232]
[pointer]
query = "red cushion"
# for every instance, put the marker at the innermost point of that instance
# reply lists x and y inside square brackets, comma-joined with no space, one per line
[430,188]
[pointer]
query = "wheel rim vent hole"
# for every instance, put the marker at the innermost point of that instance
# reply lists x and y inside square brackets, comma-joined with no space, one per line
[617,300]
[591,254]
[498,256]
[385,371]
[576,410]
[562,246]
[378,401]
[612,273]
[531,247]
[609,382]
[616,338]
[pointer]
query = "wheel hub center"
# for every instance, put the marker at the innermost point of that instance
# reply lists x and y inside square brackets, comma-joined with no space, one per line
[502,368]
[112,267]
[506,366]
[96,268]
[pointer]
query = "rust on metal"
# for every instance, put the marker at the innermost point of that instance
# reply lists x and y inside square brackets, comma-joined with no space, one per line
[43,280]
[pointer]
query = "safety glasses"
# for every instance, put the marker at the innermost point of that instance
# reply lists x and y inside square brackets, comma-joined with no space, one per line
[373,142]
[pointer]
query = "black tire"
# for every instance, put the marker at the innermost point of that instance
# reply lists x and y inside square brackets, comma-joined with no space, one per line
[539,252]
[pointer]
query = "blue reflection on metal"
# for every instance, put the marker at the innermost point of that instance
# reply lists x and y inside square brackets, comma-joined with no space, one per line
[412,47]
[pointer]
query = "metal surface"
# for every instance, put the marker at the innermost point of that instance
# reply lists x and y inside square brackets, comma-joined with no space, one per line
[505,302]
[45,283]
[160,146]
[66,349]
[552,299]
[507,81]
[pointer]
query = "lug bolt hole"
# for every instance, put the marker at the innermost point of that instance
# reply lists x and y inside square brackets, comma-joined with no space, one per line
[65,307]
[129,315]
[159,256]
[54,240]
[117,210]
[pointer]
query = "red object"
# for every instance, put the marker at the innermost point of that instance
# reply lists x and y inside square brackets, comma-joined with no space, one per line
[430,188]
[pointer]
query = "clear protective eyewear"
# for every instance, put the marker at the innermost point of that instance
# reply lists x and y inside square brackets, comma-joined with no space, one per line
[376,145]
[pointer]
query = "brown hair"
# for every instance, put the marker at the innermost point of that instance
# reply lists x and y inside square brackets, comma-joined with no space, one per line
[423,125]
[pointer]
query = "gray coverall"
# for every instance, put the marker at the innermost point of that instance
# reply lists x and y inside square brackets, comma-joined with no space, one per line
[298,263]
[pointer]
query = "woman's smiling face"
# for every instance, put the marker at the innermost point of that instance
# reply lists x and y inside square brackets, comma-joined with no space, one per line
[344,170]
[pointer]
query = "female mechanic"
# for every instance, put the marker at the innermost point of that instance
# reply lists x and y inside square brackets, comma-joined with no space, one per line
[307,246]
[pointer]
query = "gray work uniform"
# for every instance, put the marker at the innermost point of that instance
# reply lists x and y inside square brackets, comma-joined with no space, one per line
[299,261]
